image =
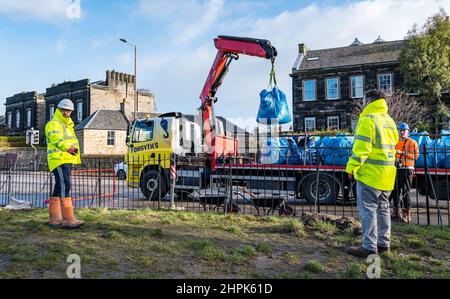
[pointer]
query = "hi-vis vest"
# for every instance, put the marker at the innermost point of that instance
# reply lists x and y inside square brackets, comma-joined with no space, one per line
[373,159]
[60,137]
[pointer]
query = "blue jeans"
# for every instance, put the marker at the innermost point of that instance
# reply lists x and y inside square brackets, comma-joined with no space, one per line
[62,181]
[373,206]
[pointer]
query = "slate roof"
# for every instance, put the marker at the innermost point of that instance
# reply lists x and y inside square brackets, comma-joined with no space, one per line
[104,120]
[378,52]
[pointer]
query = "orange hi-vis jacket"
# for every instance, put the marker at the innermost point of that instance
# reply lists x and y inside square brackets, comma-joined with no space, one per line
[407,152]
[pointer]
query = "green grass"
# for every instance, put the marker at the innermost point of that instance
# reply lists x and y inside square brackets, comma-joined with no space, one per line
[314,266]
[166,244]
[264,247]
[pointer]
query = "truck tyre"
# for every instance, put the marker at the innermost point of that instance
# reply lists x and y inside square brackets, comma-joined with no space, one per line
[153,185]
[328,190]
[121,175]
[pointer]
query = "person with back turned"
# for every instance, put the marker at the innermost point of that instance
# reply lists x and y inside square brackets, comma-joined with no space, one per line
[62,153]
[373,166]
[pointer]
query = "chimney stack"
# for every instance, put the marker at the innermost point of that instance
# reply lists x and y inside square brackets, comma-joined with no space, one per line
[302,49]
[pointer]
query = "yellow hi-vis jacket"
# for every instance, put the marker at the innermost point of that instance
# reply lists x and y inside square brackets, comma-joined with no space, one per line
[373,159]
[60,136]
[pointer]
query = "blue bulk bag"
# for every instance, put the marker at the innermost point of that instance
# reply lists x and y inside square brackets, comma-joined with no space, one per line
[423,139]
[273,107]
[335,151]
[442,147]
[270,151]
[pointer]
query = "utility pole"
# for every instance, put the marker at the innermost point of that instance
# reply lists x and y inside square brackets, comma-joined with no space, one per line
[135,77]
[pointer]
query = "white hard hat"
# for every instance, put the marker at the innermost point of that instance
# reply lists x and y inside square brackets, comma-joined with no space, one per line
[66,104]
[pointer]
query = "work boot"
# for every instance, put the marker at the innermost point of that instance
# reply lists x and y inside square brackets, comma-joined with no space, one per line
[54,211]
[406,216]
[69,220]
[395,214]
[360,251]
[382,249]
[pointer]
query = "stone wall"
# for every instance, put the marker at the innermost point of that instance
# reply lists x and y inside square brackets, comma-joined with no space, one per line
[26,154]
[94,142]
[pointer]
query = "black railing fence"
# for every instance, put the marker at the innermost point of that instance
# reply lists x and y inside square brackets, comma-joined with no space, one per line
[285,181]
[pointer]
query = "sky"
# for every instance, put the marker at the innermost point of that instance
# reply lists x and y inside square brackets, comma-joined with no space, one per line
[49,41]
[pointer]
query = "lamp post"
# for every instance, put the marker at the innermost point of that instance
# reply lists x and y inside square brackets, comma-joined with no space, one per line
[135,76]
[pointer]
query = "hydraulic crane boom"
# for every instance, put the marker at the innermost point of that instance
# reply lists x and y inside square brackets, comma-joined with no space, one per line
[229,49]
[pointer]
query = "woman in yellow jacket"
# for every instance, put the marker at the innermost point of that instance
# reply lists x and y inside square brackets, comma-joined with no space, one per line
[62,153]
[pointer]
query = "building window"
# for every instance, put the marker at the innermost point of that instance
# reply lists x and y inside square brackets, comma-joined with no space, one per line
[80,111]
[333,123]
[52,111]
[9,120]
[385,82]
[29,118]
[310,124]
[332,88]
[18,119]
[111,139]
[357,87]
[309,87]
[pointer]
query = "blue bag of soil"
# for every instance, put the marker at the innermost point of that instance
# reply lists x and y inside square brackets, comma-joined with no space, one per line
[281,151]
[335,151]
[273,108]
[442,146]
[423,139]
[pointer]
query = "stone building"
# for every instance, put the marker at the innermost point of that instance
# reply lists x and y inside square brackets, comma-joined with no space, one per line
[115,93]
[24,111]
[326,82]
[103,133]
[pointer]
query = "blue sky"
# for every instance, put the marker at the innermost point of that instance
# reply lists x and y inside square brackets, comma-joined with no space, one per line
[40,45]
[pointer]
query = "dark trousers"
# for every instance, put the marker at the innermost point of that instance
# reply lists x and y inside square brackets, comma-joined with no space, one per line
[62,181]
[402,188]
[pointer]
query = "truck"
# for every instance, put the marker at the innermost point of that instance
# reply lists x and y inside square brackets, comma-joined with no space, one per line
[171,149]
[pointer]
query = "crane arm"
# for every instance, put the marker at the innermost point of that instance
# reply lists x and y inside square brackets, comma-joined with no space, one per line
[229,48]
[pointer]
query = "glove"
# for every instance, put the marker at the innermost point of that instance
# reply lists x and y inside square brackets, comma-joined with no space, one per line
[73,151]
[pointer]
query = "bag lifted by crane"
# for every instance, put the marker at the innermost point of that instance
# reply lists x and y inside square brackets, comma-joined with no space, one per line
[274,108]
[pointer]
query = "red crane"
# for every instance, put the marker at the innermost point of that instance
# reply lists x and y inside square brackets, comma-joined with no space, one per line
[230,47]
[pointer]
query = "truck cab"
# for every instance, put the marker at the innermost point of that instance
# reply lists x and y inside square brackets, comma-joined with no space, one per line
[152,142]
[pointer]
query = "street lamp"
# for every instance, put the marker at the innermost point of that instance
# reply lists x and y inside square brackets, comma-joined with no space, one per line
[135,76]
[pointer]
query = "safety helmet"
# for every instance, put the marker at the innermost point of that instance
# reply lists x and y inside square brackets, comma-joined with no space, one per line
[403,126]
[66,104]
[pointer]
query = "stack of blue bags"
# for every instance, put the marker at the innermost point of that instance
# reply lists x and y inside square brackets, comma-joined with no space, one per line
[336,150]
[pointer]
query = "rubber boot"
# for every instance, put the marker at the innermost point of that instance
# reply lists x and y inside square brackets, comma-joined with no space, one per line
[395,214]
[69,220]
[54,211]
[406,216]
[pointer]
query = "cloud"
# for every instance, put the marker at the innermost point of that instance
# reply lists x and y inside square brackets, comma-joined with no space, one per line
[42,10]
[187,19]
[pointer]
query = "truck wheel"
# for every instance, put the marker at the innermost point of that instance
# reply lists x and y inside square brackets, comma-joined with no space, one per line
[328,190]
[153,185]
[121,175]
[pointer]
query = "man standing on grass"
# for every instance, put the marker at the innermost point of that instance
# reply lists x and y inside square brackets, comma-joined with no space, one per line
[373,166]
[62,153]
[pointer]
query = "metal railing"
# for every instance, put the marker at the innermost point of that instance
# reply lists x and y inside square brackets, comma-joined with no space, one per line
[311,180]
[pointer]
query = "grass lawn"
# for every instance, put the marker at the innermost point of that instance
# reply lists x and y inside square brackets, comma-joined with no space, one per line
[165,244]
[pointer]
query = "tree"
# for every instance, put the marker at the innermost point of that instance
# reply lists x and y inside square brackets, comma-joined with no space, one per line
[402,108]
[425,62]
